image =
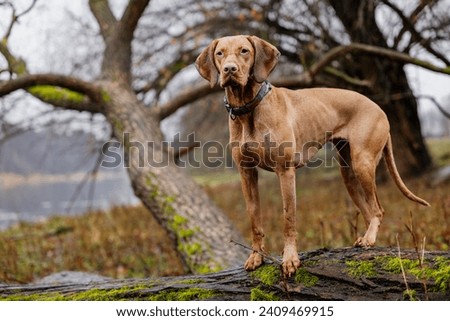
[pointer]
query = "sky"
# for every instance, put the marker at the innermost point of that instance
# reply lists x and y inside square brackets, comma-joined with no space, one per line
[41,38]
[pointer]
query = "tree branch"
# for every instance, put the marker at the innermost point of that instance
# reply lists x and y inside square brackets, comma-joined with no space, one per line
[15,17]
[336,52]
[187,96]
[131,16]
[15,65]
[104,16]
[338,274]
[416,36]
[71,98]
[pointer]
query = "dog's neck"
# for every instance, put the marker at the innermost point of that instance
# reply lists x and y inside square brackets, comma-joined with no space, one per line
[239,96]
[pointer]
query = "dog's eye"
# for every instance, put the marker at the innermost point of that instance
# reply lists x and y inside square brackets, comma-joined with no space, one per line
[219,53]
[244,51]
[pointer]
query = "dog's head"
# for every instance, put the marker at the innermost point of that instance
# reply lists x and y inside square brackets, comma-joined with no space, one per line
[234,60]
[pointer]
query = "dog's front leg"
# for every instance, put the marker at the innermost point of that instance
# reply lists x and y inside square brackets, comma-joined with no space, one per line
[249,181]
[291,261]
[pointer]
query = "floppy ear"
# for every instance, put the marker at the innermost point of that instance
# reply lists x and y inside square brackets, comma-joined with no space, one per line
[266,58]
[205,64]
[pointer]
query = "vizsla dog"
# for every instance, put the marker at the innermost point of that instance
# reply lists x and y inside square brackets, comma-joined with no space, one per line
[275,128]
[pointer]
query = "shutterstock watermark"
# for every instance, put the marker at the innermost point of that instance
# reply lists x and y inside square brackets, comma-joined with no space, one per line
[193,153]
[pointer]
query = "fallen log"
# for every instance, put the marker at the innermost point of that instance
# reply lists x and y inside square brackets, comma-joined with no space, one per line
[338,274]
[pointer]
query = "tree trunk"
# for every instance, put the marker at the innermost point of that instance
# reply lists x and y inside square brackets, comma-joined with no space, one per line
[200,231]
[341,274]
[390,87]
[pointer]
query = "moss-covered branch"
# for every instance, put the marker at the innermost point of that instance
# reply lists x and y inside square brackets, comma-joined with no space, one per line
[343,274]
[58,90]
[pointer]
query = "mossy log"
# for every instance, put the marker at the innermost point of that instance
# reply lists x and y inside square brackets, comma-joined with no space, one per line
[339,274]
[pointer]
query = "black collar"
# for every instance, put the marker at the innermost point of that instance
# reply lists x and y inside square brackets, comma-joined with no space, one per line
[235,111]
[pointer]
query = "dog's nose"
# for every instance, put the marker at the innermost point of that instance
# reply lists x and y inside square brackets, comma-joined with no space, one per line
[230,68]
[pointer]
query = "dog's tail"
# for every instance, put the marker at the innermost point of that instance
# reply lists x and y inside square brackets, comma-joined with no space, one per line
[390,162]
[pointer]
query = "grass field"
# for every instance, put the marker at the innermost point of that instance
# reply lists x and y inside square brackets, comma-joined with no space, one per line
[127,241]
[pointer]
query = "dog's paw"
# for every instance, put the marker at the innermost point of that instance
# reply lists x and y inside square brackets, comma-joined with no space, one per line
[291,263]
[253,262]
[363,242]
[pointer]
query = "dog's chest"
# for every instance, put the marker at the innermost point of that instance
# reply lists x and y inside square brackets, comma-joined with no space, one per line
[255,145]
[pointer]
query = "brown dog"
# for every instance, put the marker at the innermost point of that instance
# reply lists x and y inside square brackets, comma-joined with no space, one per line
[275,128]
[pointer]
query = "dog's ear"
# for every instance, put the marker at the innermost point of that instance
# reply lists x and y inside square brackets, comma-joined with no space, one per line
[205,64]
[266,58]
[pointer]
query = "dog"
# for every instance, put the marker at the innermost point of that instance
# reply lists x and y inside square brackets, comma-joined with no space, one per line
[275,128]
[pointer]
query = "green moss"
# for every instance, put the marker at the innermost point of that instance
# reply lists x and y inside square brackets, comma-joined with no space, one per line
[53,93]
[361,269]
[258,294]
[267,274]
[410,295]
[100,295]
[394,264]
[179,225]
[178,221]
[304,277]
[90,295]
[192,248]
[437,270]
[105,97]
[206,268]
[184,234]
[177,66]
[116,123]
[34,297]
[19,67]
[183,295]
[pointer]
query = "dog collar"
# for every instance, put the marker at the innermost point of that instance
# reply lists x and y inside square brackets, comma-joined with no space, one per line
[235,111]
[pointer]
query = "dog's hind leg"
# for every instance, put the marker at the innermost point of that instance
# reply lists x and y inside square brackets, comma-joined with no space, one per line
[359,178]
[364,165]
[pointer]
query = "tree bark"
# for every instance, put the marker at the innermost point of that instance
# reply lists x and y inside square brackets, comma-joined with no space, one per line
[340,274]
[390,88]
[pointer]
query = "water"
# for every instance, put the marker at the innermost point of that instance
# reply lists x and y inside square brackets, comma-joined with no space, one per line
[36,201]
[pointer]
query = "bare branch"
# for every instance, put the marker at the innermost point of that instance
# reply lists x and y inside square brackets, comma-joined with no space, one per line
[12,22]
[104,16]
[15,17]
[189,95]
[437,104]
[416,36]
[336,52]
[441,108]
[347,78]
[131,16]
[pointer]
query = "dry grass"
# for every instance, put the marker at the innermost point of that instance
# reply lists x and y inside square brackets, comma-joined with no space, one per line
[123,242]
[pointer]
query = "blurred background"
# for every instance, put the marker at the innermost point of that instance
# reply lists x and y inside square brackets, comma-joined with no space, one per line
[50,156]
